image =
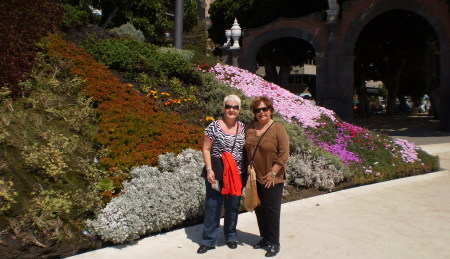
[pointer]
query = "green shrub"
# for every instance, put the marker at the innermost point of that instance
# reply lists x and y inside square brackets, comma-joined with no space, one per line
[51,158]
[7,195]
[48,212]
[125,55]
[105,184]
[74,16]
[212,94]
[188,55]
[133,56]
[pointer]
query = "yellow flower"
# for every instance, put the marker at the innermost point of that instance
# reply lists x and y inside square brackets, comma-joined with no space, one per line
[209,119]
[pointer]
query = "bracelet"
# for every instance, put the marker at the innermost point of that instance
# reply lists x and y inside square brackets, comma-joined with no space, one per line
[209,168]
[273,173]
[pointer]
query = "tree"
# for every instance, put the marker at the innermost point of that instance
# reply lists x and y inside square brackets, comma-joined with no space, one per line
[152,17]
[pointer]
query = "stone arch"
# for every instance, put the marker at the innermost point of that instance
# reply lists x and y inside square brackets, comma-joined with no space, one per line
[309,29]
[375,8]
[384,6]
[248,58]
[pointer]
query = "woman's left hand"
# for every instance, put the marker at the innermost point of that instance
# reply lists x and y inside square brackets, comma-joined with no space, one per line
[269,179]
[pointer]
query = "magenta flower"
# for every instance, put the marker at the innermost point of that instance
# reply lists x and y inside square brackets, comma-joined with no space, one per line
[320,124]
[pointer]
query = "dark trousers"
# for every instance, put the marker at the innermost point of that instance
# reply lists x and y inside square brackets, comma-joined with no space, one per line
[268,213]
[213,208]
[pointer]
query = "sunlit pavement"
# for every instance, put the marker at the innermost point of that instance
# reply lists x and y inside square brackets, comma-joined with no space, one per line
[404,218]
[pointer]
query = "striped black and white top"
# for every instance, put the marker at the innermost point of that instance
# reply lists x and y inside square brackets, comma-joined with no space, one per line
[223,142]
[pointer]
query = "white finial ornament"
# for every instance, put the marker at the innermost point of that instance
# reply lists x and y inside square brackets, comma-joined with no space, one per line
[236,33]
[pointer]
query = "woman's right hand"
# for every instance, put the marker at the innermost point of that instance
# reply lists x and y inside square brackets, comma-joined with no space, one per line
[210,176]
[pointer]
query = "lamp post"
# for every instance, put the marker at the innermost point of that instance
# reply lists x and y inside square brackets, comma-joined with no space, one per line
[178,39]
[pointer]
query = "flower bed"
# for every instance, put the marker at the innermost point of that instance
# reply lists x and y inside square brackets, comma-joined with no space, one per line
[132,131]
[362,149]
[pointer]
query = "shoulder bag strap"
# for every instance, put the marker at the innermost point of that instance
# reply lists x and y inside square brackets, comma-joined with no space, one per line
[235,136]
[257,145]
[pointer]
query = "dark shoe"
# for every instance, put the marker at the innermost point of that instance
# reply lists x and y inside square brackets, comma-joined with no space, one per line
[261,244]
[204,248]
[232,244]
[273,250]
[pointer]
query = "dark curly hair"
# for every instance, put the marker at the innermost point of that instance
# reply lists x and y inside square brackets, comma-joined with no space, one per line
[262,99]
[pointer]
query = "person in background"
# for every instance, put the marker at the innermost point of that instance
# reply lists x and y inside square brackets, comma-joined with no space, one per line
[222,138]
[270,157]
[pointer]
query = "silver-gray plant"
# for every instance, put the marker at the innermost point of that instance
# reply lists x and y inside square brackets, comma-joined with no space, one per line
[155,199]
[128,30]
[304,170]
[160,198]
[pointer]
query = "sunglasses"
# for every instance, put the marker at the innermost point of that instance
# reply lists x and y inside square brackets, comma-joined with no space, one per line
[227,106]
[258,110]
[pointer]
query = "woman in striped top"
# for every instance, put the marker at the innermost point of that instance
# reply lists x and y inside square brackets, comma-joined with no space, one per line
[225,135]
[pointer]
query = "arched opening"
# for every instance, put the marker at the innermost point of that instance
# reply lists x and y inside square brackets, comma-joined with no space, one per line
[398,50]
[290,63]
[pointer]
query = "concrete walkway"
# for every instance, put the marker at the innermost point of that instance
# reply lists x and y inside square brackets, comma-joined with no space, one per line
[404,218]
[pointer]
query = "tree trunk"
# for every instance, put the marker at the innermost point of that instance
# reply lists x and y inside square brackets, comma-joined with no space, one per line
[431,78]
[271,70]
[363,106]
[392,86]
[283,75]
[110,16]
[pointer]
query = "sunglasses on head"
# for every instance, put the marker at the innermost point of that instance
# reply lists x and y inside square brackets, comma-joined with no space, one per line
[258,110]
[227,106]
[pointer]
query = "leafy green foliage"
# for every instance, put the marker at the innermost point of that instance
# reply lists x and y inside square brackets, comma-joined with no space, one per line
[152,17]
[124,54]
[50,158]
[47,213]
[74,17]
[47,158]
[7,194]
[132,56]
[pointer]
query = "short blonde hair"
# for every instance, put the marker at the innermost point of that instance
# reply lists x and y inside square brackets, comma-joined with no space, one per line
[232,97]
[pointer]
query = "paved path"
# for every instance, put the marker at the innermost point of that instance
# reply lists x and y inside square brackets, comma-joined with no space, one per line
[404,218]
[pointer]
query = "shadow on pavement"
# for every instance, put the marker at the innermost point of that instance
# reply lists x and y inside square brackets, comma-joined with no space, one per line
[194,233]
[419,128]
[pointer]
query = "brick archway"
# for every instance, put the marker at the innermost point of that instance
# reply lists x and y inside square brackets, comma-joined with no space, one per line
[436,13]
[334,41]
[281,28]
